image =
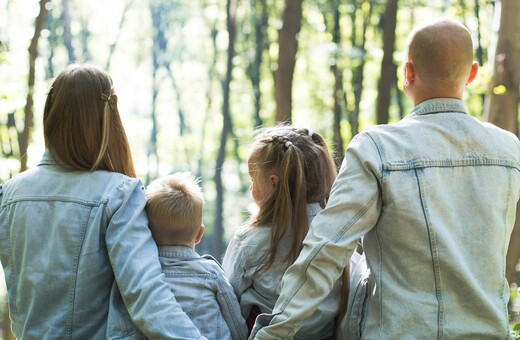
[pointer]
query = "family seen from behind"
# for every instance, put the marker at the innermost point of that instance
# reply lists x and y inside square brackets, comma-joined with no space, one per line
[407,241]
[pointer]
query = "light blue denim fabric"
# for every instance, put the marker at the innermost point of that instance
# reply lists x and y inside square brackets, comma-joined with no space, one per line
[246,252]
[66,238]
[204,292]
[435,196]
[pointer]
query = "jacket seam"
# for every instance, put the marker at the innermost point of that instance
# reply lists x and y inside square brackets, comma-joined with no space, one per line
[435,256]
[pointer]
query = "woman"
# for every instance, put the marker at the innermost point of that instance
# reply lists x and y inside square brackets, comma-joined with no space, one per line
[74,237]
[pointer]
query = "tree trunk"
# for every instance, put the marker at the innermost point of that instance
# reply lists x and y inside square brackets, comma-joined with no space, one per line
[287,48]
[67,32]
[227,127]
[338,89]
[358,70]
[502,101]
[158,50]
[52,41]
[113,44]
[479,53]
[387,66]
[260,24]
[25,137]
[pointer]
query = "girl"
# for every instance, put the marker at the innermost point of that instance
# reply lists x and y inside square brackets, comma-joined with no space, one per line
[74,237]
[291,174]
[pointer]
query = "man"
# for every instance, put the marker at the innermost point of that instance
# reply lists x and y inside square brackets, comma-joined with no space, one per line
[434,197]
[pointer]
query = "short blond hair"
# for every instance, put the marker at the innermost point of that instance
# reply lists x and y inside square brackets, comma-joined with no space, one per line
[174,207]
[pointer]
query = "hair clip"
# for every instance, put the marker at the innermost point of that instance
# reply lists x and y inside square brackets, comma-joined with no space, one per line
[310,133]
[106,97]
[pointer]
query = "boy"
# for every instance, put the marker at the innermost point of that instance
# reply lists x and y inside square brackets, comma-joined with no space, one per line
[174,207]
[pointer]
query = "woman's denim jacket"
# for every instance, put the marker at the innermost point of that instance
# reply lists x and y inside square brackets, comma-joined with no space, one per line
[246,252]
[435,196]
[66,238]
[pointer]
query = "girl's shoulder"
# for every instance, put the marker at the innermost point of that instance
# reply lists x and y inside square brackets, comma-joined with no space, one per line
[253,235]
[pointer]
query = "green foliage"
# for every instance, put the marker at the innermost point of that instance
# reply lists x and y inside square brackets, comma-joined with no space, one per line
[193,40]
[516,331]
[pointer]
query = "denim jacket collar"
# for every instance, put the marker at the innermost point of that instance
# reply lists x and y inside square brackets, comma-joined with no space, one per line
[49,159]
[313,209]
[178,252]
[437,105]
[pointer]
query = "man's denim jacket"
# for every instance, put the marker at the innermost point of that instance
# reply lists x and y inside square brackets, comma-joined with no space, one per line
[435,197]
[66,238]
[246,252]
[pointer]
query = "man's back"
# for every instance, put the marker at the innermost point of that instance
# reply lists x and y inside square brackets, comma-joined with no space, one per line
[449,186]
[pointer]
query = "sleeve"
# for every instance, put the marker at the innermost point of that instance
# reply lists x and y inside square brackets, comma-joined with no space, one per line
[234,264]
[230,308]
[352,210]
[135,262]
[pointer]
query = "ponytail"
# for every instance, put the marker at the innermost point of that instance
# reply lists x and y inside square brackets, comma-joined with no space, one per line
[305,170]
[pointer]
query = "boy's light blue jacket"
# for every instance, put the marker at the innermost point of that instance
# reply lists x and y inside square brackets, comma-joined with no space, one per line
[435,197]
[66,238]
[204,292]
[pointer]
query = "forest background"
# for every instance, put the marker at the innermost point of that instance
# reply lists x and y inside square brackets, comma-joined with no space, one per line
[195,78]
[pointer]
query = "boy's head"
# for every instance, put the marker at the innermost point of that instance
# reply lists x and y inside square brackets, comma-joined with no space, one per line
[174,207]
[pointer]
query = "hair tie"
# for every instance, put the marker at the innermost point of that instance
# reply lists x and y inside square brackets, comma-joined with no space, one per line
[310,133]
[287,144]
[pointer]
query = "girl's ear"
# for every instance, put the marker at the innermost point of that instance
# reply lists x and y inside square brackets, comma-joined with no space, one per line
[274,179]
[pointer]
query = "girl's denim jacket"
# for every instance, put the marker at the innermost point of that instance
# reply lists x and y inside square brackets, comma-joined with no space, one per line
[246,252]
[435,197]
[66,238]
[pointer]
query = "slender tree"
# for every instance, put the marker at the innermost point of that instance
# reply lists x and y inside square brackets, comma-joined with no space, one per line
[113,43]
[25,136]
[503,98]
[479,49]
[287,48]
[158,12]
[67,31]
[52,41]
[260,18]
[365,10]
[387,66]
[227,127]
[338,91]
[502,102]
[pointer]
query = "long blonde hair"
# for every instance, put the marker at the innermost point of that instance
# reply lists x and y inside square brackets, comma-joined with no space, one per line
[306,172]
[81,122]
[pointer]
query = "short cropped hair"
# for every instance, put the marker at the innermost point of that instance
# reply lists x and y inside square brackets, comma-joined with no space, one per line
[174,207]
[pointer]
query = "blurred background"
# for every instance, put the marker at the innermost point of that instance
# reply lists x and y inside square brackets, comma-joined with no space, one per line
[195,78]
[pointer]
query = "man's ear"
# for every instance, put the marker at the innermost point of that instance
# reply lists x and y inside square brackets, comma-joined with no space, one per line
[199,235]
[473,73]
[409,73]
